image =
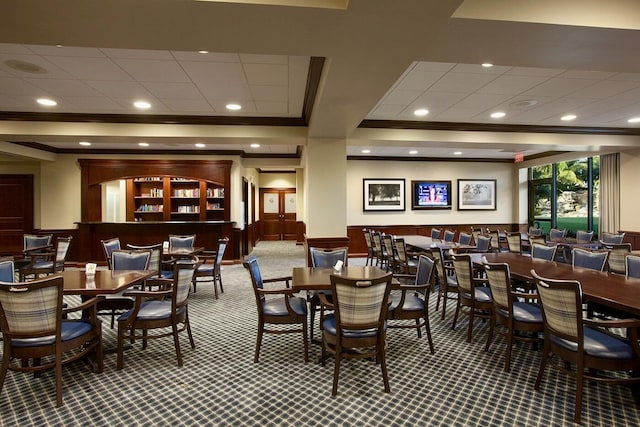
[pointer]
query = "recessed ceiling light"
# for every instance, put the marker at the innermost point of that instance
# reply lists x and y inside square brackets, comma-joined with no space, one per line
[200,145]
[523,103]
[568,117]
[142,105]
[365,151]
[143,144]
[421,112]
[233,107]
[413,152]
[457,153]
[255,145]
[46,102]
[203,52]
[498,115]
[59,46]
[634,120]
[84,143]
[487,65]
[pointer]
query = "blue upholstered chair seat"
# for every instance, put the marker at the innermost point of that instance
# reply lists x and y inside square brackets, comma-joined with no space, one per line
[411,302]
[524,312]
[43,265]
[599,344]
[203,268]
[277,306]
[153,310]
[166,274]
[329,325]
[71,329]
[452,282]
[482,294]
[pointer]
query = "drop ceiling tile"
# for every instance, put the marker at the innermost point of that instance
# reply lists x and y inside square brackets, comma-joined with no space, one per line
[80,52]
[138,54]
[511,85]
[16,103]
[16,86]
[554,109]
[602,106]
[208,73]
[267,107]
[264,59]
[63,87]
[267,74]
[90,68]
[173,90]
[633,77]
[205,57]
[93,104]
[115,89]
[534,72]
[188,106]
[385,111]
[157,107]
[605,89]
[146,70]
[224,93]
[248,107]
[419,80]
[51,70]
[478,103]
[433,66]
[559,87]
[583,74]
[462,82]
[14,49]
[270,93]
[479,69]
[402,97]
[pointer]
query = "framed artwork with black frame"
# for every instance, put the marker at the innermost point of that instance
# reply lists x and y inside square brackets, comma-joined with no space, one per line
[476,194]
[380,195]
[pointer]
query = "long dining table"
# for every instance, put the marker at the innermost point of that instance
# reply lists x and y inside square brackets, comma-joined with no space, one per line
[317,278]
[610,289]
[425,243]
[78,282]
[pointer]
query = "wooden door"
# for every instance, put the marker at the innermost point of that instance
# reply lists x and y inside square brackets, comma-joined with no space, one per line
[278,213]
[16,211]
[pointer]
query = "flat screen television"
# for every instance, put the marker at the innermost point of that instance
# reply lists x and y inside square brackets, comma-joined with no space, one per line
[431,194]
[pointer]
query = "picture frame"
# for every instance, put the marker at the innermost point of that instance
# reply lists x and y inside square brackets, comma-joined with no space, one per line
[477,194]
[383,195]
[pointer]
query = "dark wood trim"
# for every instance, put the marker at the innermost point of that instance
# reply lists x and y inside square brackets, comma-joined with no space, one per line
[300,232]
[324,242]
[316,64]
[632,237]
[494,127]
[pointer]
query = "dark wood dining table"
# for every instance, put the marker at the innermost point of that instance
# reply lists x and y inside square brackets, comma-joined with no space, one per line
[610,289]
[77,282]
[316,278]
[425,243]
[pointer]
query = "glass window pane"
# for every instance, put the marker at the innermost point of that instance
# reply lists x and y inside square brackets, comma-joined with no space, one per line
[572,195]
[539,172]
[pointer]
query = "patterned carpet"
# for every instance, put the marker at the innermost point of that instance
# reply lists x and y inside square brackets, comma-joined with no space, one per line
[219,385]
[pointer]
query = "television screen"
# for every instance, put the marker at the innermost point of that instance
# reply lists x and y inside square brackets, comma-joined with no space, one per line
[431,194]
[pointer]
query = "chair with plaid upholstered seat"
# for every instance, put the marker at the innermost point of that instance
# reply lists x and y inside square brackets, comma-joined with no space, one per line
[32,325]
[7,270]
[474,299]
[47,262]
[584,343]
[357,327]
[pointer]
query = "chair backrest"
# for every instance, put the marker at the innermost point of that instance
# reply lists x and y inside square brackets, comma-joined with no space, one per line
[108,246]
[130,259]
[387,245]
[36,241]
[222,247]
[617,255]
[534,231]
[438,258]
[499,277]
[556,235]
[360,304]
[475,232]
[545,252]
[327,257]
[181,242]
[368,239]
[251,264]
[514,242]
[425,272]
[182,278]
[539,239]
[449,235]
[377,241]
[495,240]
[435,233]
[464,238]
[464,272]
[584,236]
[632,266]
[155,258]
[561,303]
[612,238]
[7,270]
[587,259]
[31,309]
[62,249]
[483,243]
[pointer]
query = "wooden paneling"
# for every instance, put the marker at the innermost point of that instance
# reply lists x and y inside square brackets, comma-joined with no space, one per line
[632,237]
[323,242]
[16,212]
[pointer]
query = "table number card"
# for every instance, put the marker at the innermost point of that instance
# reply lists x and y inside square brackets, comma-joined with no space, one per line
[90,268]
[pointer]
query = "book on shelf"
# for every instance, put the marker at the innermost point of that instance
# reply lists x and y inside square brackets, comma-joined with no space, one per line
[186,192]
[188,209]
[149,208]
[215,192]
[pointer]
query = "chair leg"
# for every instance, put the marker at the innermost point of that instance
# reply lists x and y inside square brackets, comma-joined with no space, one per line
[120,356]
[258,343]
[313,317]
[188,326]
[58,378]
[543,363]
[176,343]
[507,356]
[220,282]
[428,328]
[579,383]
[455,315]
[383,367]
[470,327]
[306,341]
[336,371]
[490,335]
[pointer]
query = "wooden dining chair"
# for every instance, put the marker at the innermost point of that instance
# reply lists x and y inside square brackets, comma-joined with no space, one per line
[357,328]
[210,267]
[474,298]
[47,262]
[581,342]
[108,246]
[36,331]
[445,279]
[7,270]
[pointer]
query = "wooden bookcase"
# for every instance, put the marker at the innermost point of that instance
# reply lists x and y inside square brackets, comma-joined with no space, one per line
[163,198]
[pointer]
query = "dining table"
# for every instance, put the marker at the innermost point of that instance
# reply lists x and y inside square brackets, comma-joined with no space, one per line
[609,289]
[319,278]
[425,243]
[78,282]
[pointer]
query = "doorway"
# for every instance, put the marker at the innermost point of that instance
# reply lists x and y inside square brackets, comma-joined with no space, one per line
[278,213]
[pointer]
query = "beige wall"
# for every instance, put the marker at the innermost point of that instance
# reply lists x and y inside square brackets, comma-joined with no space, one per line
[629,179]
[501,172]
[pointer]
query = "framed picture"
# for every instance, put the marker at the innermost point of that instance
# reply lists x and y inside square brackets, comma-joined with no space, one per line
[383,195]
[476,194]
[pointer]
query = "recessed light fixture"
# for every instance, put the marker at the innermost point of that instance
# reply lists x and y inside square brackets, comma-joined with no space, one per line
[59,46]
[47,102]
[366,151]
[413,152]
[487,64]
[568,117]
[457,153]
[233,107]
[421,112]
[498,115]
[255,145]
[84,143]
[634,120]
[203,52]
[200,145]
[143,144]
[142,105]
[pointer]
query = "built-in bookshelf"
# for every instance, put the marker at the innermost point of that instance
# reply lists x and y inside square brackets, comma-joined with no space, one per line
[163,198]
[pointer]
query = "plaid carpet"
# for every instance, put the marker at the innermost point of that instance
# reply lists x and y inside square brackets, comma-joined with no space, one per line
[219,385]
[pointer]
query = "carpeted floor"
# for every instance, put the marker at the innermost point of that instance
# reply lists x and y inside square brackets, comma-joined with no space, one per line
[219,385]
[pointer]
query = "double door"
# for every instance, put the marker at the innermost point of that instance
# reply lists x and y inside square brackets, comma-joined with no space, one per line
[278,213]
